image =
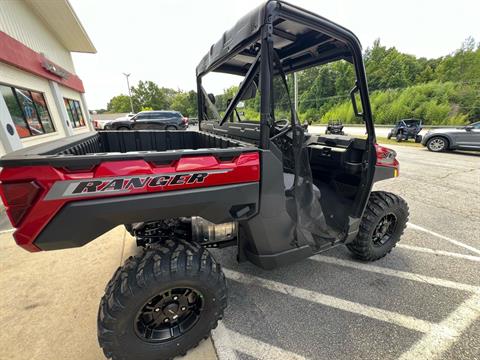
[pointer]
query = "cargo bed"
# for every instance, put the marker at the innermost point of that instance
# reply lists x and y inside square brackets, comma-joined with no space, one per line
[92,148]
[123,177]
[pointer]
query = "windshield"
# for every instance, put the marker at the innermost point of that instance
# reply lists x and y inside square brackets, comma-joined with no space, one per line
[412,122]
[220,89]
[322,96]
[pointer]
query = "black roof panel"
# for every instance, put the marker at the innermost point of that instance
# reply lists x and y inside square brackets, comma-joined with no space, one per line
[301,38]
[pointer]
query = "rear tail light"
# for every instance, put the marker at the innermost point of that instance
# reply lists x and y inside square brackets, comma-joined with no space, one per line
[387,157]
[185,120]
[18,198]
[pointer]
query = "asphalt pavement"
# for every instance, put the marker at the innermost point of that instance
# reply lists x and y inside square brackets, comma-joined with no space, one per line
[422,301]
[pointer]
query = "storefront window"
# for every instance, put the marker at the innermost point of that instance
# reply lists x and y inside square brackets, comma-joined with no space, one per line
[79,113]
[74,112]
[28,110]
[42,110]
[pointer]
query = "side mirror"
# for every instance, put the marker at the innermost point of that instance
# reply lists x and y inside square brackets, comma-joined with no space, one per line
[211,97]
[354,101]
[250,92]
[469,127]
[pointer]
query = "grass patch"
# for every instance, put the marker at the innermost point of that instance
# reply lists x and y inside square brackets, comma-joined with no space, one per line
[385,141]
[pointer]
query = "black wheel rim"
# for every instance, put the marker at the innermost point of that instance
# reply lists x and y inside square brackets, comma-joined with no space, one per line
[384,230]
[169,315]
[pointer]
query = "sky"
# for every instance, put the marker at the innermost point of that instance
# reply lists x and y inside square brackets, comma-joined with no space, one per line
[164,40]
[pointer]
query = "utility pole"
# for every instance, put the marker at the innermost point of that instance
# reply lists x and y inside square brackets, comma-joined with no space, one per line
[129,92]
[295,92]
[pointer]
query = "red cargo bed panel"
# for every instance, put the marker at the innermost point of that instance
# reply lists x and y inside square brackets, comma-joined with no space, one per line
[117,178]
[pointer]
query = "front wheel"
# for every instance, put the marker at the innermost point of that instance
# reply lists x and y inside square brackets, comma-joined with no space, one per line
[437,144]
[399,137]
[383,223]
[161,303]
[389,136]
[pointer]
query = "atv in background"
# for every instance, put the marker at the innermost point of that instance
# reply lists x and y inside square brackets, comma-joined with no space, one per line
[334,127]
[268,188]
[406,129]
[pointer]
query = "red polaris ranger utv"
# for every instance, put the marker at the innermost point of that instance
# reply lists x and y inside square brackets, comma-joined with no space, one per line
[267,187]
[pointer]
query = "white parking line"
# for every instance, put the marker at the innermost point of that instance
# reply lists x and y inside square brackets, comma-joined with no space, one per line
[222,339]
[440,236]
[433,344]
[397,273]
[439,252]
[226,341]
[405,321]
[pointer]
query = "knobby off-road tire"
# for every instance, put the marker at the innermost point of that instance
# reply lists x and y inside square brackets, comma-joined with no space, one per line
[140,296]
[383,223]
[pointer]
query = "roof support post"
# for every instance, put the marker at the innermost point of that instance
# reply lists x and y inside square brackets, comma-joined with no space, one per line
[200,105]
[266,83]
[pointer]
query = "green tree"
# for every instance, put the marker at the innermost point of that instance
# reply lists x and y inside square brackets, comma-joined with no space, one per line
[185,102]
[147,94]
[119,104]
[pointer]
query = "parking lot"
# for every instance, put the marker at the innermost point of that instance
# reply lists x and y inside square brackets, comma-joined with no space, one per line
[421,301]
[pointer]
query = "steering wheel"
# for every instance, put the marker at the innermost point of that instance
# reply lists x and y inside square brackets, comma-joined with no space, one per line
[281,124]
[282,127]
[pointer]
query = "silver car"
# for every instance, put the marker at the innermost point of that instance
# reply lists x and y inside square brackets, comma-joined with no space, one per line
[461,138]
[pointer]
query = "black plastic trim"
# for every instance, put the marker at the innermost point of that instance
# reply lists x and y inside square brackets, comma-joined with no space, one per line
[383,173]
[273,261]
[80,222]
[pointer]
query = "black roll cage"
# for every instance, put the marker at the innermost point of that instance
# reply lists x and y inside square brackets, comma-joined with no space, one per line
[258,44]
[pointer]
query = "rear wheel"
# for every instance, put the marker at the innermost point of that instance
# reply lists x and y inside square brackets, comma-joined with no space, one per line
[418,138]
[389,136]
[161,303]
[123,128]
[437,144]
[383,222]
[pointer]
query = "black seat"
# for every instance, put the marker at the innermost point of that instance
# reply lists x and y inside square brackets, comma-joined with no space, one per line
[244,131]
